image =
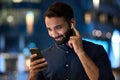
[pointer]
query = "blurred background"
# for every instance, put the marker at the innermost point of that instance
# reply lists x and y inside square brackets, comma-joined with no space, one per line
[22,27]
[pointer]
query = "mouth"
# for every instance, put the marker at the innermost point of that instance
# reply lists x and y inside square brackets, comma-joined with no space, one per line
[60,38]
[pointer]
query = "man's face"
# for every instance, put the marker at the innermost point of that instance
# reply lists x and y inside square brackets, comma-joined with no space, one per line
[58,29]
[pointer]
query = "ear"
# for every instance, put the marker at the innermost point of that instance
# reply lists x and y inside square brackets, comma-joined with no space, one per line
[73,22]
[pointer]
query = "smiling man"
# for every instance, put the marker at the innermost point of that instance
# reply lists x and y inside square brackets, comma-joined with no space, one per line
[70,58]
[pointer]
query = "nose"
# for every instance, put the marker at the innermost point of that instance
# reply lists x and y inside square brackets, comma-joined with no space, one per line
[53,33]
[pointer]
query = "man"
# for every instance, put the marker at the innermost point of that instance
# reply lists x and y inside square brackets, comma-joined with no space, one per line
[71,58]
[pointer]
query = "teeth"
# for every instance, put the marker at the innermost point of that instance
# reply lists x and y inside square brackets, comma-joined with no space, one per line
[58,39]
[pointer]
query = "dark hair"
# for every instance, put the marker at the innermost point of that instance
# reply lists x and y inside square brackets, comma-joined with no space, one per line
[60,9]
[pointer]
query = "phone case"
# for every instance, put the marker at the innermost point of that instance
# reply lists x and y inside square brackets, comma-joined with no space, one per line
[36,51]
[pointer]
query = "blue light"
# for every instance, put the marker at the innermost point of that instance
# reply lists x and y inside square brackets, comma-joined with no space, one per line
[99,42]
[115,49]
[2,64]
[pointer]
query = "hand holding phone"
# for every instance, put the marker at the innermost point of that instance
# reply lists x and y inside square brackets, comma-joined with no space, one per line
[37,62]
[38,57]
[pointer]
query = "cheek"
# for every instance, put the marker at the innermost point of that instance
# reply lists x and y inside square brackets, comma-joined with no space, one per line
[49,34]
[62,32]
[56,33]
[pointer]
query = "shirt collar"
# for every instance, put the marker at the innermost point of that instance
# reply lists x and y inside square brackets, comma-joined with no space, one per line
[63,46]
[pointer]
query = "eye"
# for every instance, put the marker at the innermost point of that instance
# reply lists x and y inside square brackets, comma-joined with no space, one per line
[58,27]
[49,29]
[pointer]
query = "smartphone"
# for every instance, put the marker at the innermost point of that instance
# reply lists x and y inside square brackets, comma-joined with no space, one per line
[36,51]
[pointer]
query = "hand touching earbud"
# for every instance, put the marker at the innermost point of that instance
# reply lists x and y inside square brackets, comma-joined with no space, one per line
[75,41]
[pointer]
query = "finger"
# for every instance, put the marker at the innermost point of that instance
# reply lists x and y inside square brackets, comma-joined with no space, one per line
[35,62]
[41,69]
[32,57]
[42,65]
[75,30]
[39,66]
[70,44]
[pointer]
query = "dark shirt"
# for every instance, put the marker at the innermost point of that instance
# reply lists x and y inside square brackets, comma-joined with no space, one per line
[64,64]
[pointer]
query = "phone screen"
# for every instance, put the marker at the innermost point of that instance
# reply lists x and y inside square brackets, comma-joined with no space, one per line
[36,51]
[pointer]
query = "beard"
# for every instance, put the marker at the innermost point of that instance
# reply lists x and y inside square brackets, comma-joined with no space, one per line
[65,37]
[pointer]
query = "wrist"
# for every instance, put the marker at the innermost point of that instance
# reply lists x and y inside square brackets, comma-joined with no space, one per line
[79,50]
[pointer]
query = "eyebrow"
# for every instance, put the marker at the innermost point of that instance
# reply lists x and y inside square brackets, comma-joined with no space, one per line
[55,26]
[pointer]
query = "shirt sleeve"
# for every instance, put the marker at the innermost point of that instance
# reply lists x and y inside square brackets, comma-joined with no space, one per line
[103,63]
